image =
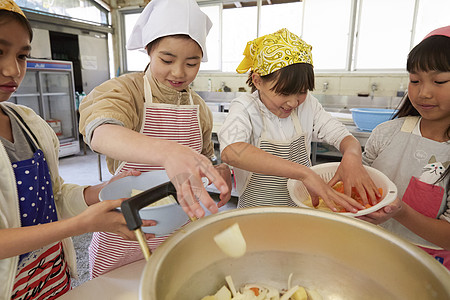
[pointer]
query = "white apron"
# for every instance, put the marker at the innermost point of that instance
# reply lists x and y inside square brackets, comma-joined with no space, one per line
[264,190]
[178,123]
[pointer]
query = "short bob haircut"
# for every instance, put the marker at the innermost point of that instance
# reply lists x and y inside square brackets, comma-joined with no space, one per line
[7,16]
[293,79]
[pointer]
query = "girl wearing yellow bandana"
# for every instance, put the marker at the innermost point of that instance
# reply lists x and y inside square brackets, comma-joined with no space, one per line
[267,134]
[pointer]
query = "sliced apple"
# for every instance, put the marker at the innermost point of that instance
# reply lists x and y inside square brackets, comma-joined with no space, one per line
[223,294]
[231,241]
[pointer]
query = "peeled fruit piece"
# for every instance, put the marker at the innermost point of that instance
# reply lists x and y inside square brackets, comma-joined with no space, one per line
[164,201]
[231,241]
[135,192]
[300,294]
[223,294]
[313,295]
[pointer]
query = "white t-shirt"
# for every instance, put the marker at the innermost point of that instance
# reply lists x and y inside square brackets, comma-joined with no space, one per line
[244,123]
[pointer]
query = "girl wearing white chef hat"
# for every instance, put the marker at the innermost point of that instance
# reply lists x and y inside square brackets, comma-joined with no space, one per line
[153,120]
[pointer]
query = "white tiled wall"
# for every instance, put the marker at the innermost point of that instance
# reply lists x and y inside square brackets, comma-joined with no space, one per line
[338,84]
[40,46]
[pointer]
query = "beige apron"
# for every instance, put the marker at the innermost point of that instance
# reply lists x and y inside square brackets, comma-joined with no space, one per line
[178,123]
[263,190]
[426,198]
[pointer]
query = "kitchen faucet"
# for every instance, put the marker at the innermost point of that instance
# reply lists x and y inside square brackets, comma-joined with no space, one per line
[374,88]
[325,87]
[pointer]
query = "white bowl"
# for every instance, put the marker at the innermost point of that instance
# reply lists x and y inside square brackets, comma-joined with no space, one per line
[326,171]
[168,217]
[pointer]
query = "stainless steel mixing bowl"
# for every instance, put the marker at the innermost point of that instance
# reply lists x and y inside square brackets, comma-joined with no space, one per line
[339,257]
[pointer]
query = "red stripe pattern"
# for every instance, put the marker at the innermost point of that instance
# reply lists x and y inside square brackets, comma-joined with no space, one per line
[181,124]
[109,251]
[42,274]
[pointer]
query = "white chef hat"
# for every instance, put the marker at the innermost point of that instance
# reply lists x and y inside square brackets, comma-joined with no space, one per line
[169,17]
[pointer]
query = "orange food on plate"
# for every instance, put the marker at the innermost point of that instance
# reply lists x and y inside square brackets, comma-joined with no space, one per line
[340,188]
[255,290]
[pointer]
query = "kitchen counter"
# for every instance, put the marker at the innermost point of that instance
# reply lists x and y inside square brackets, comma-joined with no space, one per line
[325,150]
[321,149]
[119,284]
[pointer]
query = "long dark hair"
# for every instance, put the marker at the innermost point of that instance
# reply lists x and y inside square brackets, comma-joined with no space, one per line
[293,79]
[432,54]
[7,16]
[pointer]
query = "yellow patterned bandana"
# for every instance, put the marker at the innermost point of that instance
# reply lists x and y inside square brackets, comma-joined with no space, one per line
[11,6]
[272,52]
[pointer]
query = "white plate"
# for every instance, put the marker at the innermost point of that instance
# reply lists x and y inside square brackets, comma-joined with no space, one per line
[168,217]
[299,193]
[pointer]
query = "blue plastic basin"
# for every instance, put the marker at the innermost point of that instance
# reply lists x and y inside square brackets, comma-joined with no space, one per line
[368,118]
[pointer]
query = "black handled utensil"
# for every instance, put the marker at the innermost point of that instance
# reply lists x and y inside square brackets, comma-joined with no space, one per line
[130,209]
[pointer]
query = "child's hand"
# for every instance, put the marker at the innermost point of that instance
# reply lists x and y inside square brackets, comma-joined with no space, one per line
[185,168]
[91,193]
[383,214]
[318,188]
[353,174]
[124,174]
[103,216]
[225,173]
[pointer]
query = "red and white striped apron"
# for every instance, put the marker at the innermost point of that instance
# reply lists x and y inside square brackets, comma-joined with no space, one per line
[178,123]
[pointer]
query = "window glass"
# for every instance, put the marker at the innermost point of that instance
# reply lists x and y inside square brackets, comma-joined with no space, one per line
[327,31]
[382,30]
[213,39]
[383,39]
[135,60]
[432,14]
[78,9]
[239,27]
[277,16]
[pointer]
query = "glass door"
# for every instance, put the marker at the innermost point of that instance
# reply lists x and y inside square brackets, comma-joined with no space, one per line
[28,93]
[58,103]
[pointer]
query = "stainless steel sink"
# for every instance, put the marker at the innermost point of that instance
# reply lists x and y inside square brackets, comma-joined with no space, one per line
[337,103]
[219,96]
[219,101]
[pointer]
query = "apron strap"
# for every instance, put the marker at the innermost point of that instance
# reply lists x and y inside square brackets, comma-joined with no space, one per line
[294,117]
[296,120]
[148,89]
[410,123]
[29,135]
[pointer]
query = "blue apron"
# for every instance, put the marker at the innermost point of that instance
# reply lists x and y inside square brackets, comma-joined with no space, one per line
[34,189]
[43,272]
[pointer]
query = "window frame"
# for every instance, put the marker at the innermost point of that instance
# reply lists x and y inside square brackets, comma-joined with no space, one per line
[123,38]
[352,42]
[97,4]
